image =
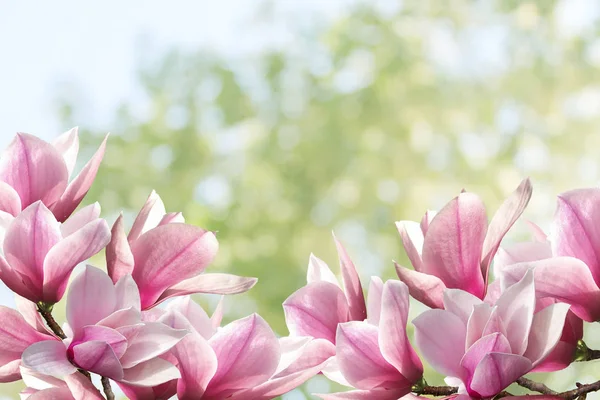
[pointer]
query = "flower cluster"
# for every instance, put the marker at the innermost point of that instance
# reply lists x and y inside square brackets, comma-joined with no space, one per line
[483,335]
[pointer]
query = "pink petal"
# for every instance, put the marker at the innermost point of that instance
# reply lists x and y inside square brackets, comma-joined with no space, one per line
[460,303]
[98,357]
[568,280]
[516,307]
[538,233]
[82,388]
[360,360]
[477,323]
[576,232]
[197,364]
[318,270]
[217,316]
[496,371]
[9,372]
[352,287]
[91,298]
[119,258]
[247,352]
[121,318]
[34,169]
[546,331]
[374,300]
[19,283]
[441,337]
[494,343]
[427,289]
[306,365]
[49,358]
[81,218]
[169,254]
[151,373]
[51,394]
[393,340]
[104,334]
[152,340]
[29,239]
[149,216]
[78,187]
[10,202]
[216,283]
[375,394]
[173,217]
[412,239]
[494,291]
[315,310]
[128,295]
[453,245]
[29,311]
[426,220]
[66,254]
[520,252]
[495,324]
[16,335]
[195,314]
[67,146]
[508,213]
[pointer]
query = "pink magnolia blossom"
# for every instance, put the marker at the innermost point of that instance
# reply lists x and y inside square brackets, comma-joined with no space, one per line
[44,387]
[242,360]
[316,309]
[106,335]
[572,275]
[32,169]
[483,348]
[166,257]
[454,249]
[40,253]
[523,253]
[375,356]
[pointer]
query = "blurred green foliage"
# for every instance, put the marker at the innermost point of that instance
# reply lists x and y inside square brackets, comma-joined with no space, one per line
[370,119]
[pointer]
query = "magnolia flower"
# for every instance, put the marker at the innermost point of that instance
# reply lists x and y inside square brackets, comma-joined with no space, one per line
[243,360]
[572,275]
[483,348]
[375,356]
[44,387]
[316,309]
[454,249]
[523,253]
[40,253]
[106,335]
[34,170]
[166,257]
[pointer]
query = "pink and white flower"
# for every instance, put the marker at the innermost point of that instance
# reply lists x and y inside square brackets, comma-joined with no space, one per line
[106,335]
[483,348]
[166,257]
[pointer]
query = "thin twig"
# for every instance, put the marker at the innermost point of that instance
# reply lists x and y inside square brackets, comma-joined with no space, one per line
[435,390]
[581,391]
[535,386]
[107,389]
[52,324]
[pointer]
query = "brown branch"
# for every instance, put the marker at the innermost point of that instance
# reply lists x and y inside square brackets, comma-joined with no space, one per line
[46,313]
[107,389]
[435,390]
[535,386]
[581,391]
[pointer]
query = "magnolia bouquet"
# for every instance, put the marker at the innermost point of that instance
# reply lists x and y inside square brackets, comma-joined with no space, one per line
[482,336]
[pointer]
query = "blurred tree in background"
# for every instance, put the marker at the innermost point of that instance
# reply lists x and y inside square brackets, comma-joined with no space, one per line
[374,118]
